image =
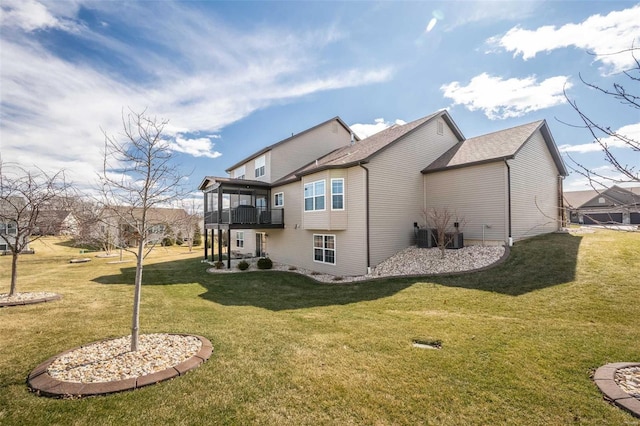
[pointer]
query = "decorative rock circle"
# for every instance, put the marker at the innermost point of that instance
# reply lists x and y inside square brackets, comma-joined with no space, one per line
[42,383]
[48,297]
[604,378]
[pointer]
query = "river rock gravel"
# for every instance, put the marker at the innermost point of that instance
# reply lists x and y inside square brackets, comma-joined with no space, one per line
[112,360]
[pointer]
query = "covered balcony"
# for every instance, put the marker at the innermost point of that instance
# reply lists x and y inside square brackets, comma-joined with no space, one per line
[240,204]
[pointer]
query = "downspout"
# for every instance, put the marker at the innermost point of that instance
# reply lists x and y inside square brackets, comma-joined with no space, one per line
[509,201]
[367,220]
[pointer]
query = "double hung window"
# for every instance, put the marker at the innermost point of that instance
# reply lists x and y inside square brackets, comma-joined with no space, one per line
[260,165]
[278,199]
[239,173]
[240,239]
[324,248]
[337,194]
[314,193]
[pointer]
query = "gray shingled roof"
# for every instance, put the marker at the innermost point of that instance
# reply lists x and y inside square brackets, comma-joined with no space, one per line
[616,196]
[494,146]
[361,151]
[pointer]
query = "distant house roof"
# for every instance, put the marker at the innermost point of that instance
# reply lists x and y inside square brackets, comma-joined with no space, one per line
[614,196]
[270,147]
[363,150]
[496,146]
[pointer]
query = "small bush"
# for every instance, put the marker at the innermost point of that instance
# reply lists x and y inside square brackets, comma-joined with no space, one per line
[218,264]
[265,263]
[243,265]
[293,268]
[315,273]
[337,278]
[167,241]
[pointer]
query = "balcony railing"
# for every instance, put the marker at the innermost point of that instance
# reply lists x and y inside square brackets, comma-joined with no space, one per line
[245,215]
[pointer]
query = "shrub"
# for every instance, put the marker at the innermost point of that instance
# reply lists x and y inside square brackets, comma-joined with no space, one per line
[218,264]
[265,263]
[293,268]
[243,265]
[337,278]
[167,241]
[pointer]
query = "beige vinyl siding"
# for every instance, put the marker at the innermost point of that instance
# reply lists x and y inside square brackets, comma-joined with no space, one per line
[534,190]
[292,155]
[293,245]
[397,186]
[249,241]
[477,195]
[327,219]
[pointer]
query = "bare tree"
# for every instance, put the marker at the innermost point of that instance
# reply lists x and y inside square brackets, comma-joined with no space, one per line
[606,137]
[24,194]
[138,175]
[621,93]
[191,225]
[445,224]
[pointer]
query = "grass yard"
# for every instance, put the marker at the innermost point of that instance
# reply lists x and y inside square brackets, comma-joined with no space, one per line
[519,341]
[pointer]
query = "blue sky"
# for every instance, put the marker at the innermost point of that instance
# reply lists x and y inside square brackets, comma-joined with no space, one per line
[233,77]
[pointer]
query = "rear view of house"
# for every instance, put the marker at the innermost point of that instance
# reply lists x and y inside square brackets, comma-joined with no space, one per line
[350,204]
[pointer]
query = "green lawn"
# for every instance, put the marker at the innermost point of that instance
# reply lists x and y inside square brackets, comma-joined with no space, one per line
[520,341]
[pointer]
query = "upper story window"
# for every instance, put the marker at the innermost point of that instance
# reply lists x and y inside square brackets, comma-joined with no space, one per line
[314,195]
[337,194]
[278,199]
[259,163]
[8,228]
[239,173]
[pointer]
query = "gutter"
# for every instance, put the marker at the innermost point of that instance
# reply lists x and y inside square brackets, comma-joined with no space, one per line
[509,200]
[367,217]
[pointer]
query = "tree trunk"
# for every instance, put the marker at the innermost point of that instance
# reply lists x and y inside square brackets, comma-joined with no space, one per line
[135,323]
[14,273]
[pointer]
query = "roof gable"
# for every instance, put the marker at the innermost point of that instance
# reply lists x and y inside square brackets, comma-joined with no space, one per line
[614,196]
[362,151]
[289,139]
[496,146]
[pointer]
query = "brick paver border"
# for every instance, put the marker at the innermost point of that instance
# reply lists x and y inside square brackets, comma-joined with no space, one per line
[31,301]
[604,378]
[42,383]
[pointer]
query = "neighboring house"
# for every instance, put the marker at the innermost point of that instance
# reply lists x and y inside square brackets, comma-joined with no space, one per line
[615,205]
[350,204]
[120,225]
[56,222]
[8,224]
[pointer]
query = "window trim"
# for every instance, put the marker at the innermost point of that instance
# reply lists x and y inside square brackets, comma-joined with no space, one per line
[239,240]
[324,249]
[260,169]
[275,199]
[341,194]
[314,196]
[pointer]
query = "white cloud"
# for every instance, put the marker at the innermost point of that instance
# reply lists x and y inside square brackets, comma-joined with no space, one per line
[199,74]
[432,23]
[197,147]
[631,131]
[601,35]
[364,130]
[514,97]
[491,12]
[29,15]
